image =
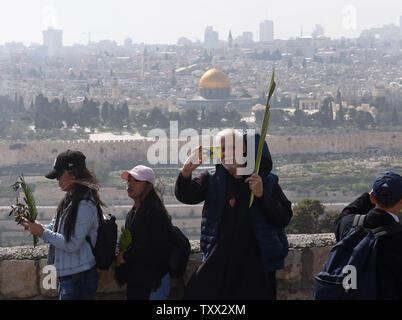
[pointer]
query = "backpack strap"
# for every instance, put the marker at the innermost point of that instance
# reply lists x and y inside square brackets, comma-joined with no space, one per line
[378,232]
[358,220]
[388,229]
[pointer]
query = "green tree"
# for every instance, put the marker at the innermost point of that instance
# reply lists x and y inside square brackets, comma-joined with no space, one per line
[105,112]
[233,117]
[126,114]
[340,115]
[157,118]
[190,118]
[324,118]
[278,116]
[326,223]
[395,118]
[306,215]
[276,55]
[213,118]
[363,119]
[89,114]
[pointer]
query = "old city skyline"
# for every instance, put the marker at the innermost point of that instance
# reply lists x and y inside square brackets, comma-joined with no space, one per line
[142,21]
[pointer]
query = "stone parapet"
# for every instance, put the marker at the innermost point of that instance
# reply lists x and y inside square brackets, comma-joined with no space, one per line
[22,273]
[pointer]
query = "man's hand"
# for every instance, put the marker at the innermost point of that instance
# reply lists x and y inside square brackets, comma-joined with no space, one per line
[255,185]
[192,162]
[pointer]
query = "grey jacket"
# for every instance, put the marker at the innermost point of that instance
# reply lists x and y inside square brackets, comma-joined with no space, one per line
[76,255]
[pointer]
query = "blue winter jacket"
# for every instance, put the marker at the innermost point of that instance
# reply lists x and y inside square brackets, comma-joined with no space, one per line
[271,240]
[75,255]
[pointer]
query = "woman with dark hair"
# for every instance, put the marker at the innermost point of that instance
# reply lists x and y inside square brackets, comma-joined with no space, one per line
[76,220]
[145,262]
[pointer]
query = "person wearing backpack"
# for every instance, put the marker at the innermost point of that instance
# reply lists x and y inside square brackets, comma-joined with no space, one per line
[145,264]
[77,217]
[242,247]
[380,209]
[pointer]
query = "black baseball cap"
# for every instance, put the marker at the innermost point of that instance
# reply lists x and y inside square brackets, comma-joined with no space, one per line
[389,181]
[66,161]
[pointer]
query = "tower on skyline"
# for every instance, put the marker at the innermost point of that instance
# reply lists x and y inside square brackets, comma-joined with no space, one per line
[267,31]
[211,38]
[53,40]
[144,62]
[400,24]
[230,39]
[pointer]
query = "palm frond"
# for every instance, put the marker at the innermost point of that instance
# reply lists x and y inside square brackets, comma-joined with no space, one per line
[27,210]
[264,129]
[125,239]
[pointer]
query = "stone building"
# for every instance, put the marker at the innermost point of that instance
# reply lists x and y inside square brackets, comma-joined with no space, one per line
[214,89]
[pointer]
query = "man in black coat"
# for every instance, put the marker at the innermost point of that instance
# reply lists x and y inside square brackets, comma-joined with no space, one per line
[382,206]
[242,246]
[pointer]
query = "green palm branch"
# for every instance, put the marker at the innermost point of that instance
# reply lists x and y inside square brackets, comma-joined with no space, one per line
[125,239]
[27,210]
[264,130]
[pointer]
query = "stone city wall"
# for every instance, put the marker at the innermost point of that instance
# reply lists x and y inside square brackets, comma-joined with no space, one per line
[22,274]
[44,152]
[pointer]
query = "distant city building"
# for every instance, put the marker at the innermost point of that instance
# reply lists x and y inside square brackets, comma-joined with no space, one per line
[400,24]
[246,38]
[387,32]
[318,31]
[211,38]
[183,41]
[145,62]
[230,39]
[267,31]
[309,104]
[106,45]
[115,90]
[214,88]
[128,43]
[214,84]
[14,46]
[53,40]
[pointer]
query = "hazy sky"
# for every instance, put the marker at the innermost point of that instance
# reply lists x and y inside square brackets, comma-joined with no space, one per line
[164,21]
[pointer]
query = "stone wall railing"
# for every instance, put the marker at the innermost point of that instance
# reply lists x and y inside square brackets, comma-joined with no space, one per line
[44,152]
[22,273]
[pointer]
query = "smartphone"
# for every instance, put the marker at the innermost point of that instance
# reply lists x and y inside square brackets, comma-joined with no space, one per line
[213,152]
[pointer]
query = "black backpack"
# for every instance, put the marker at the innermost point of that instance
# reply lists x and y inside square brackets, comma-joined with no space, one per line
[179,252]
[359,250]
[105,247]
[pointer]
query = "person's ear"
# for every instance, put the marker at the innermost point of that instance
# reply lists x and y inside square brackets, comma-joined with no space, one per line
[372,199]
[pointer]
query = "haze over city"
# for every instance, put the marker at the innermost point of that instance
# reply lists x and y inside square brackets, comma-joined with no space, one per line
[98,76]
[158,21]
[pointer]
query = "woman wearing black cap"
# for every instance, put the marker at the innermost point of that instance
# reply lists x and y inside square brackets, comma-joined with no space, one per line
[77,217]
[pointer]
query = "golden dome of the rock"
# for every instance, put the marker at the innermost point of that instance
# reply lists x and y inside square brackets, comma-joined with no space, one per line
[213,79]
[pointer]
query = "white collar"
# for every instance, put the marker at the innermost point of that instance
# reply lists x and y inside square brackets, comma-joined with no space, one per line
[394,216]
